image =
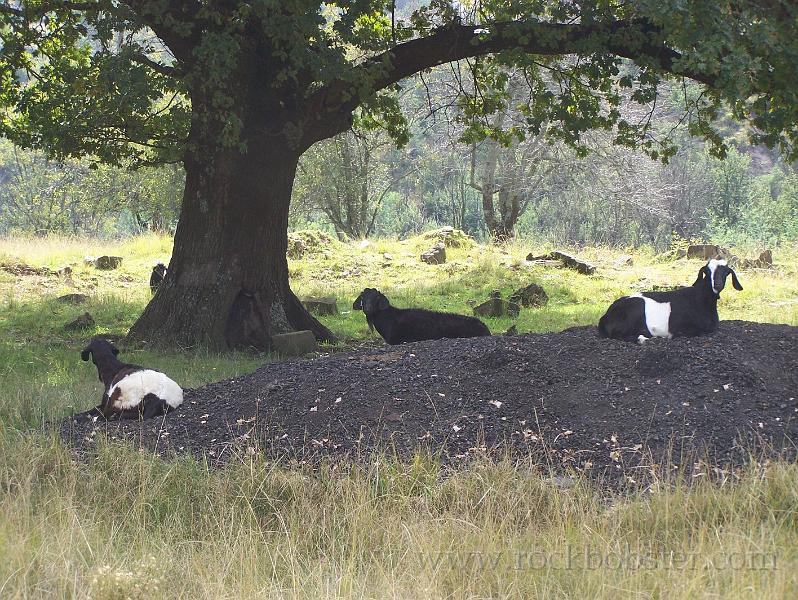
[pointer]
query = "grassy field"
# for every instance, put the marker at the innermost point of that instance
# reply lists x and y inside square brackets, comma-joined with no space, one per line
[124,524]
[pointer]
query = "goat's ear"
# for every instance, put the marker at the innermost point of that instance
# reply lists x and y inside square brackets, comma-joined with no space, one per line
[84,355]
[702,272]
[358,303]
[735,281]
[383,303]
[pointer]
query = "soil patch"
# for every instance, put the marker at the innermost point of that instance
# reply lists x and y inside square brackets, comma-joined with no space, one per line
[21,269]
[568,398]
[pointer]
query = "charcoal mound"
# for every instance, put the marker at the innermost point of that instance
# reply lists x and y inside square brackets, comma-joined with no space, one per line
[570,399]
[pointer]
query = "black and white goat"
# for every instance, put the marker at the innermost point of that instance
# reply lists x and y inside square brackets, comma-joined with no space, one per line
[131,391]
[398,325]
[687,311]
[157,276]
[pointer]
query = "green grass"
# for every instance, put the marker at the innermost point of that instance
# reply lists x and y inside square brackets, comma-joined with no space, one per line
[125,524]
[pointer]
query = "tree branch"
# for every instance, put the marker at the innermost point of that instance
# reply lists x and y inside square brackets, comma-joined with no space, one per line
[635,40]
[155,66]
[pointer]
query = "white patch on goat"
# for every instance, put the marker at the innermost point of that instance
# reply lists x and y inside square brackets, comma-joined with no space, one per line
[712,265]
[657,316]
[133,387]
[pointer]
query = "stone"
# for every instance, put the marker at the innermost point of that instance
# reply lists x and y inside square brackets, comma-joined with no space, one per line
[435,255]
[73,298]
[491,307]
[566,259]
[64,271]
[574,263]
[321,306]
[108,263]
[510,308]
[294,343]
[296,248]
[496,307]
[704,251]
[531,295]
[84,321]
[764,261]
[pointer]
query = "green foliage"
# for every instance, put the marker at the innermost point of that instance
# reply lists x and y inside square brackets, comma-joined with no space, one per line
[120,81]
[41,196]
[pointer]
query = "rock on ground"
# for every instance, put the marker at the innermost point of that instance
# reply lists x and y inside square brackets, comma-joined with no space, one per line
[569,399]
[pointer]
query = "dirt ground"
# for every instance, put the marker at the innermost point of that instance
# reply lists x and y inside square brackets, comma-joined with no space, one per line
[568,400]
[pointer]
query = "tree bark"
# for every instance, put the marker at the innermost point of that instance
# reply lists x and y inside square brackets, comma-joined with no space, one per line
[227,283]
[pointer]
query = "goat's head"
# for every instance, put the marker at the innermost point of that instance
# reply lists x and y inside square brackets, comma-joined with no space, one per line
[97,348]
[159,269]
[714,274]
[371,301]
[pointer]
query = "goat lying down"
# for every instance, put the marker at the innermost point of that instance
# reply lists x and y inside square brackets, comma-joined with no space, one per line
[687,311]
[398,325]
[131,391]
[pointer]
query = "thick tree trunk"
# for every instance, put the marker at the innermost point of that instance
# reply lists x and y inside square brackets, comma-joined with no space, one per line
[227,283]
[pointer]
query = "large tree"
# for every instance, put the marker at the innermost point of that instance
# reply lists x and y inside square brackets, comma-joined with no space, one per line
[238,90]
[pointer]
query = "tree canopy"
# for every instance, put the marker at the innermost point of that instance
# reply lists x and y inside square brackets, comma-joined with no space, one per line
[115,80]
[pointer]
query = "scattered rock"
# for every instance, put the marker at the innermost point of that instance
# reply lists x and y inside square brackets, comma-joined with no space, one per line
[531,295]
[108,263]
[625,260]
[364,244]
[764,261]
[387,257]
[294,343]
[496,307]
[435,255]
[567,259]
[321,306]
[90,261]
[73,298]
[84,321]
[64,271]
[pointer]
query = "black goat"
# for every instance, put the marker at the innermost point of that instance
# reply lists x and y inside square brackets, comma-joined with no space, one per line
[157,276]
[687,311]
[398,325]
[131,391]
